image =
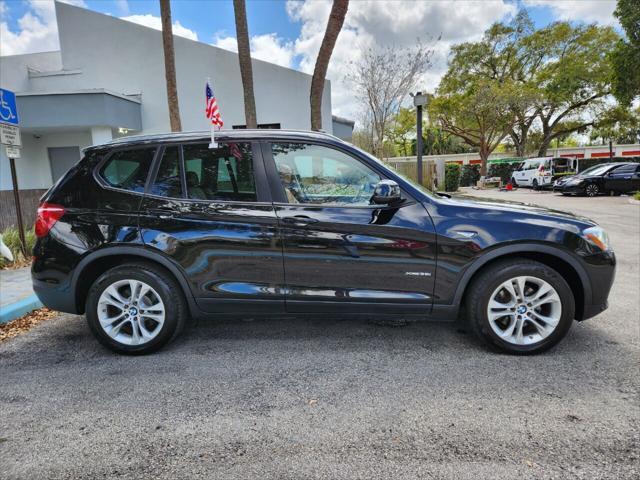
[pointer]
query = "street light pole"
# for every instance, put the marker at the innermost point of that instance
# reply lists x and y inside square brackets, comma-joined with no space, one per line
[419,100]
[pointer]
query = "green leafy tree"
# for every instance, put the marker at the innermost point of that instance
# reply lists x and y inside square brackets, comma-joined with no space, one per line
[620,124]
[476,110]
[574,80]
[625,57]
[402,130]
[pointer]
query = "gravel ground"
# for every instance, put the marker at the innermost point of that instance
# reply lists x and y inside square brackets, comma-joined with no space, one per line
[328,399]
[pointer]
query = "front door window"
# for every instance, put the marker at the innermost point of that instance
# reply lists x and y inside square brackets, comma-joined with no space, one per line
[314,174]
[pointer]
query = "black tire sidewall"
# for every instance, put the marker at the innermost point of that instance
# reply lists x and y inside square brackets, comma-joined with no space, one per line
[167,291]
[490,282]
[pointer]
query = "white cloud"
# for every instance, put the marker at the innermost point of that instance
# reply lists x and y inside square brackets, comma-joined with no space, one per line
[598,11]
[154,22]
[401,24]
[268,47]
[37,29]
[122,6]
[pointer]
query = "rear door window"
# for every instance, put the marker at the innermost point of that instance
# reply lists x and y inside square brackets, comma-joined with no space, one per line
[168,182]
[128,169]
[224,173]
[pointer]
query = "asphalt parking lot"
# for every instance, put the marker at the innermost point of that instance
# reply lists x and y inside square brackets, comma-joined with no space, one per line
[329,399]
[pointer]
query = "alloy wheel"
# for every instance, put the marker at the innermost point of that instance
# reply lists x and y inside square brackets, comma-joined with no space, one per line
[591,190]
[131,312]
[524,310]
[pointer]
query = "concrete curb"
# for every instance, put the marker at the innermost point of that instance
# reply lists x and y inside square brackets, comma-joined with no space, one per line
[17,309]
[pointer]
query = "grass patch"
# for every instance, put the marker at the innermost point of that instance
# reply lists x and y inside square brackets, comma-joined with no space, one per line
[11,239]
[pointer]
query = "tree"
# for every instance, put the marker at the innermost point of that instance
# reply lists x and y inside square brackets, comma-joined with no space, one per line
[382,79]
[334,25]
[574,80]
[625,57]
[402,130]
[620,124]
[560,75]
[244,57]
[170,66]
[476,111]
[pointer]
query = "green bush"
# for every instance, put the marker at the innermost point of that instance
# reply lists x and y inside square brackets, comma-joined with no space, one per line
[502,170]
[470,175]
[11,239]
[451,177]
[636,195]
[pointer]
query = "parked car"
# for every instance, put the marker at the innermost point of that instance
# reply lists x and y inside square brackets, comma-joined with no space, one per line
[539,172]
[607,178]
[145,232]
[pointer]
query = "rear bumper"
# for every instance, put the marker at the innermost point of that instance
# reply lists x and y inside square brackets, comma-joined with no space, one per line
[56,297]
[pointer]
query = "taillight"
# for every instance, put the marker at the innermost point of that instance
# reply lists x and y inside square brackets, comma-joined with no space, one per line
[48,215]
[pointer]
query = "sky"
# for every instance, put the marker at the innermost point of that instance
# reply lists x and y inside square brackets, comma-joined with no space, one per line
[289,33]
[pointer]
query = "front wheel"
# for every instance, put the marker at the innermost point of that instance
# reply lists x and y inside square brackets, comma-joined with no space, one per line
[513,182]
[520,306]
[135,309]
[591,190]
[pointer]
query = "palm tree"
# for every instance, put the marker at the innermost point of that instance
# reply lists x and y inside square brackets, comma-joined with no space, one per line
[244,56]
[334,25]
[170,66]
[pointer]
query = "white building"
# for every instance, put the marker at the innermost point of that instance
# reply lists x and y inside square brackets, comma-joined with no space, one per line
[108,78]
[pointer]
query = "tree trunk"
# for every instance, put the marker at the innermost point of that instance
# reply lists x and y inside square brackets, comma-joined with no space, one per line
[484,157]
[244,57]
[170,66]
[334,25]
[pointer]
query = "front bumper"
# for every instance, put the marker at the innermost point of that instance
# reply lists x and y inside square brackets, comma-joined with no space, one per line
[575,189]
[601,270]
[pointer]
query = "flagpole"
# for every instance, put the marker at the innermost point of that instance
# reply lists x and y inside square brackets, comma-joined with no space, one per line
[213,143]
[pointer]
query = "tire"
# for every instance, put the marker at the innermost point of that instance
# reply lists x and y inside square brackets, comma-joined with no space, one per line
[483,290]
[591,190]
[167,309]
[535,184]
[513,182]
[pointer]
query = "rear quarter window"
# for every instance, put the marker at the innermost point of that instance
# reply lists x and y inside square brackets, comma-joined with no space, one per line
[128,169]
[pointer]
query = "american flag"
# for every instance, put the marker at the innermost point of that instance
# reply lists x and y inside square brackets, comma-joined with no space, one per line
[212,111]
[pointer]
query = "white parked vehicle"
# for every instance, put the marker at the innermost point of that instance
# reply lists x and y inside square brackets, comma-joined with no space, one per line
[538,172]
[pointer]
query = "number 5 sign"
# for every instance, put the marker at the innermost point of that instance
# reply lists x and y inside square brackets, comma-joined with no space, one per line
[8,110]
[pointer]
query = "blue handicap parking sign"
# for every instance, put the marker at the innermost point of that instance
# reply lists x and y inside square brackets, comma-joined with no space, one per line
[8,110]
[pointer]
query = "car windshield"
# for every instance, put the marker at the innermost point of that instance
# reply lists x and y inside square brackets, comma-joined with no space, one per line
[597,170]
[413,183]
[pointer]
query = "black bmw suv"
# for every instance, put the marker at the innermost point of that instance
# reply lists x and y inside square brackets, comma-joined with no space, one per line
[145,232]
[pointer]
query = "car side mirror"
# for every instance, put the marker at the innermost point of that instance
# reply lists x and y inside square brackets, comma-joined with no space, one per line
[386,192]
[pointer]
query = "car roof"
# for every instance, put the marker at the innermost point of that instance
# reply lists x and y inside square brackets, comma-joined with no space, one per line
[222,135]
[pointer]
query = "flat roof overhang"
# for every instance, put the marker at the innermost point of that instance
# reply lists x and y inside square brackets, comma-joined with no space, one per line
[78,110]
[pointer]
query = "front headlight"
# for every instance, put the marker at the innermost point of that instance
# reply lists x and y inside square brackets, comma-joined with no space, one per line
[598,237]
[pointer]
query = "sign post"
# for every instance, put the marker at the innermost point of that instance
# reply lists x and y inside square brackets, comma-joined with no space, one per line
[10,136]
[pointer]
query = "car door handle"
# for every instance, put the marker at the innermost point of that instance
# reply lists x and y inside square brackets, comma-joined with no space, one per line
[299,220]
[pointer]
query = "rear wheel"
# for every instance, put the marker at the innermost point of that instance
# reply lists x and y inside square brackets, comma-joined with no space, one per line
[535,184]
[135,309]
[591,190]
[520,306]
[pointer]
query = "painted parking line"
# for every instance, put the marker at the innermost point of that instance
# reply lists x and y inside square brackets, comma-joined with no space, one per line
[18,309]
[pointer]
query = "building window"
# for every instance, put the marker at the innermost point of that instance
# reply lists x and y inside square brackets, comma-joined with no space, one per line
[128,169]
[224,173]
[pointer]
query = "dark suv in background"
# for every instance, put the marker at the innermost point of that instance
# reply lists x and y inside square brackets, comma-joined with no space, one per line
[146,231]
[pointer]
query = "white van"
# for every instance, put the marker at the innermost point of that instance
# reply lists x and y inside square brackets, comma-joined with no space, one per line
[538,172]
